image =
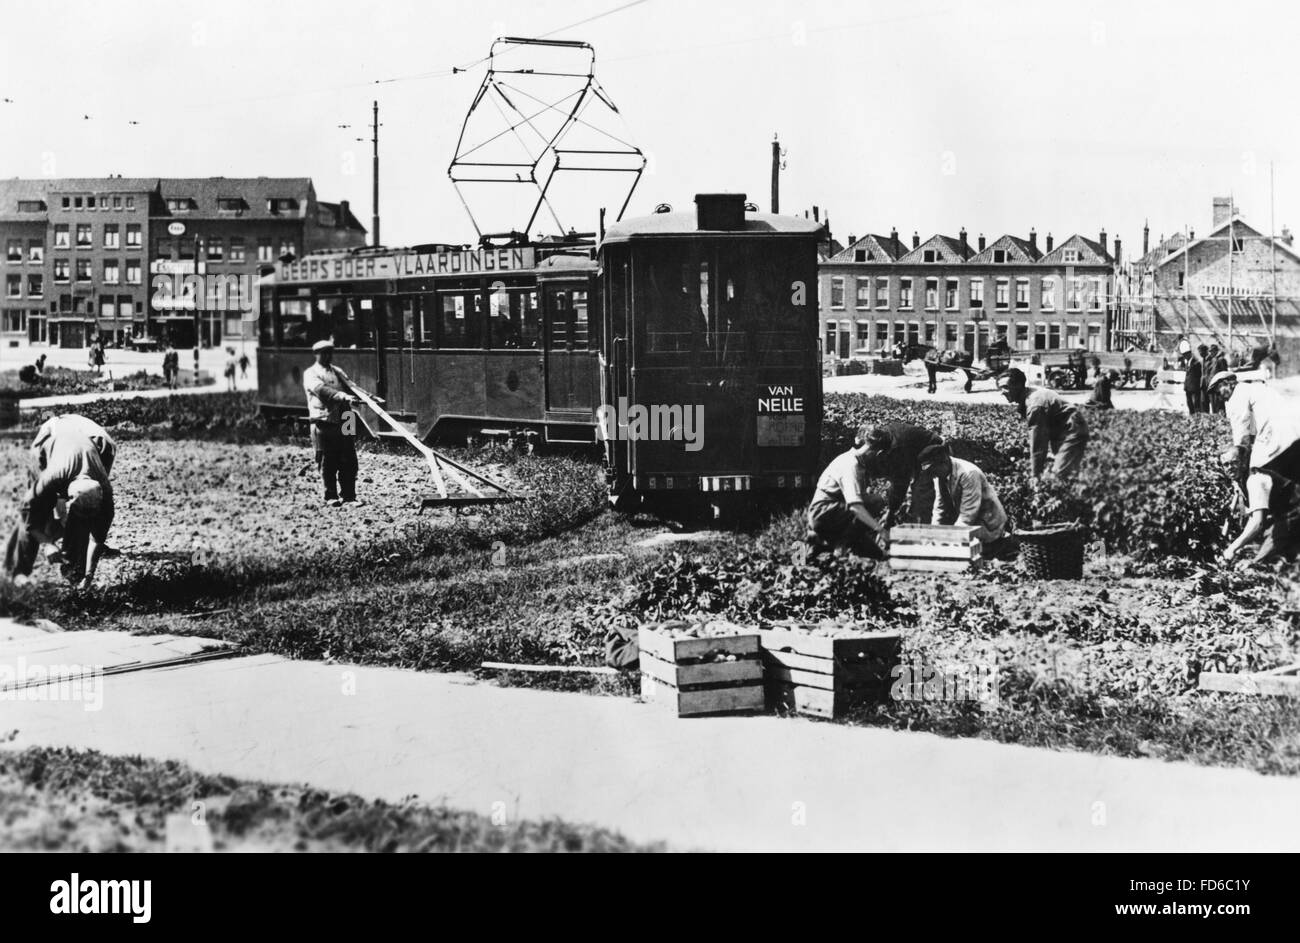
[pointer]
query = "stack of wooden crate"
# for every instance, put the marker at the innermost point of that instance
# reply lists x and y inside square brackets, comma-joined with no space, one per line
[701,673]
[933,547]
[827,674]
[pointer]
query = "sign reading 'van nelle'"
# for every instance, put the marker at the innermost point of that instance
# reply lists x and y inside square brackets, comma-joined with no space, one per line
[406,265]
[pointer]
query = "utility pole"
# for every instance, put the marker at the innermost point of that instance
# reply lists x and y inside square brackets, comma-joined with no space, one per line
[374,140]
[1231,208]
[1272,255]
[776,174]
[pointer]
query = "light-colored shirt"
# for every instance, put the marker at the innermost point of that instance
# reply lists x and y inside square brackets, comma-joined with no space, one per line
[843,481]
[327,391]
[1259,489]
[69,455]
[1273,419]
[976,501]
[69,425]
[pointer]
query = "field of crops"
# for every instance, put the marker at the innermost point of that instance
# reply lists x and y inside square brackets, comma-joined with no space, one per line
[1107,663]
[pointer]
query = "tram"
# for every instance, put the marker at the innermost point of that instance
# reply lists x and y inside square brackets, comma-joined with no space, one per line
[684,344]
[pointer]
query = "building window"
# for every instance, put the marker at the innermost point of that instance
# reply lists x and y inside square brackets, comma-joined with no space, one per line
[1098,293]
[950,294]
[976,293]
[1054,337]
[1040,337]
[863,292]
[83,235]
[914,333]
[999,256]
[112,238]
[62,237]
[930,329]
[859,255]
[35,251]
[216,249]
[15,321]
[35,285]
[162,249]
[905,293]
[837,293]
[14,250]
[30,206]
[228,204]
[1094,337]
[61,270]
[117,202]
[1070,255]
[1180,279]
[932,293]
[286,248]
[1076,289]
[110,273]
[133,271]
[1022,294]
[13,286]
[882,292]
[830,337]
[1002,298]
[133,236]
[264,250]
[180,204]
[67,202]
[928,255]
[950,329]
[1072,337]
[83,270]
[1022,336]
[130,205]
[76,202]
[1048,298]
[236,248]
[280,205]
[108,309]
[1238,244]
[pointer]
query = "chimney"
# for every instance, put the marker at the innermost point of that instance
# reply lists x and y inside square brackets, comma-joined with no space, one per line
[981,242]
[344,212]
[1033,239]
[916,240]
[853,240]
[1222,209]
[1049,242]
[1286,235]
[1119,252]
[817,214]
[893,234]
[1146,236]
[1101,240]
[965,246]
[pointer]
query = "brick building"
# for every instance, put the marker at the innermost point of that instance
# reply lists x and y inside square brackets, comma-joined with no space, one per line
[81,255]
[947,293]
[1199,286]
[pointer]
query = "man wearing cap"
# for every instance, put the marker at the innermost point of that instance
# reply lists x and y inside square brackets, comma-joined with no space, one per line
[1056,427]
[1265,424]
[329,400]
[1194,381]
[972,500]
[70,499]
[893,450]
[843,513]
[1215,363]
[1271,505]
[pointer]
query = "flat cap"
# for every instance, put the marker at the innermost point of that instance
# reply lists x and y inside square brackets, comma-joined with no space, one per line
[322,345]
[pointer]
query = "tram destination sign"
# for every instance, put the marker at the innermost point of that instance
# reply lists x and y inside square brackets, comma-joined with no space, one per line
[399,265]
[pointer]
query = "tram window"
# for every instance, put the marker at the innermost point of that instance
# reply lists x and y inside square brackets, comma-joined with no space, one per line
[391,312]
[671,302]
[366,311]
[461,325]
[295,317]
[569,328]
[337,320]
[514,318]
[408,320]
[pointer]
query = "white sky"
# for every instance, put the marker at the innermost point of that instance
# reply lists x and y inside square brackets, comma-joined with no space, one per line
[1064,117]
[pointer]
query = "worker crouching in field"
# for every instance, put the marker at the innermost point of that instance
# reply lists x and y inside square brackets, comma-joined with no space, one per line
[970,500]
[1265,424]
[843,513]
[1272,509]
[333,430]
[894,451]
[1056,428]
[69,499]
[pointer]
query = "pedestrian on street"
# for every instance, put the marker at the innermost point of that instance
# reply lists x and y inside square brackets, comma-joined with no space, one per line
[1194,382]
[170,366]
[1101,387]
[1265,425]
[243,365]
[330,399]
[1184,350]
[1056,428]
[894,452]
[230,369]
[971,500]
[1215,363]
[843,513]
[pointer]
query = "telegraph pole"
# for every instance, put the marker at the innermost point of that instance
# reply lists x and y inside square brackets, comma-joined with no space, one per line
[374,140]
[776,175]
[1272,254]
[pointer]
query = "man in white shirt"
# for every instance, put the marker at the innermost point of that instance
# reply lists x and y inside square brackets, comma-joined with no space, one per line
[1272,506]
[333,430]
[973,502]
[843,513]
[1265,424]
[1057,429]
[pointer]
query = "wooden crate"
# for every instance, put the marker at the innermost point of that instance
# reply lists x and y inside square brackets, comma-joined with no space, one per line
[685,675]
[934,547]
[1280,682]
[826,676]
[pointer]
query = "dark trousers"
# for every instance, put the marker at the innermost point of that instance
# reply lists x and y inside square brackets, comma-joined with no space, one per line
[835,525]
[336,457]
[1287,463]
[1194,404]
[930,371]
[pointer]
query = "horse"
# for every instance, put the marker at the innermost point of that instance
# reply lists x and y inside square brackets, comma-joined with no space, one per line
[936,361]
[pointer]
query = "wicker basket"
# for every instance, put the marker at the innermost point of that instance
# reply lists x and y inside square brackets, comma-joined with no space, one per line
[1052,553]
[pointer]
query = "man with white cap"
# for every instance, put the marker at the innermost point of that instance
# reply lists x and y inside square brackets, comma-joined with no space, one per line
[70,499]
[1265,424]
[329,400]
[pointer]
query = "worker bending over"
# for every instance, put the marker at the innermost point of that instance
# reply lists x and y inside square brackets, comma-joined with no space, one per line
[69,499]
[1272,508]
[894,450]
[843,513]
[972,500]
[1265,424]
[1056,428]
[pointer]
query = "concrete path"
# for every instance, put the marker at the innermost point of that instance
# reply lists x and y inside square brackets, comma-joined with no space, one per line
[758,782]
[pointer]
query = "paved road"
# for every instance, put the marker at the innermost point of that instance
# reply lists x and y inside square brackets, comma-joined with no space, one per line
[762,783]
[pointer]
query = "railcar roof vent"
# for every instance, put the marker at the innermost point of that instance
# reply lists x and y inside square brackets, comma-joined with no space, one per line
[720,211]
